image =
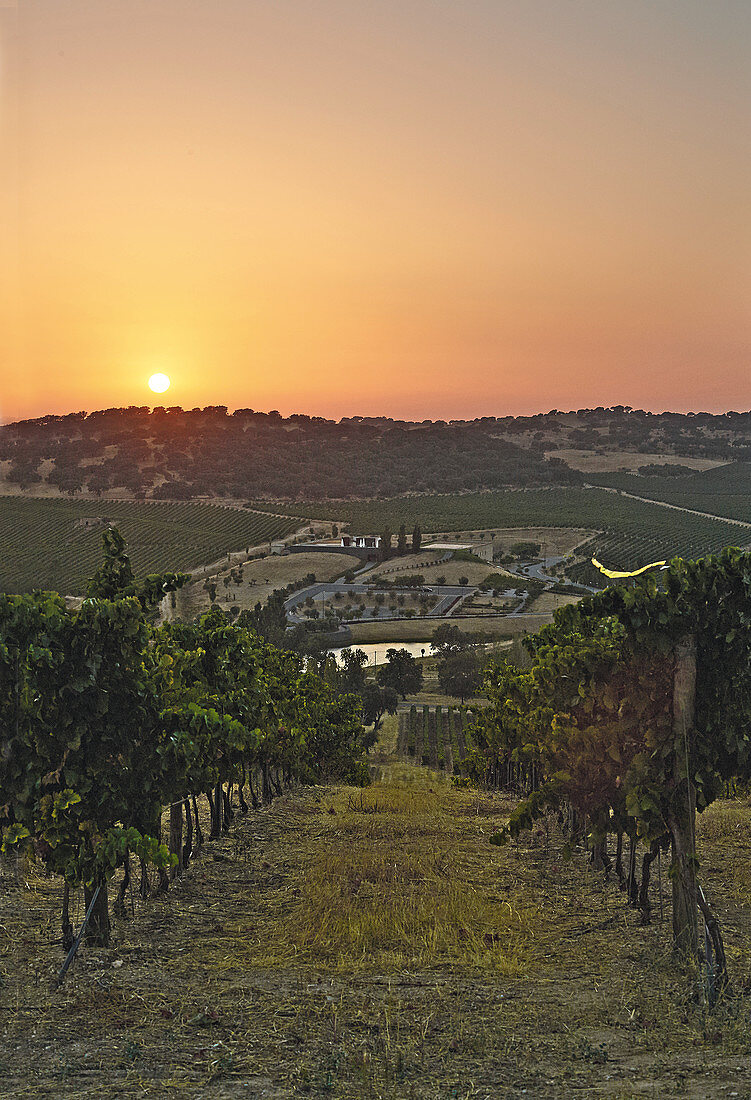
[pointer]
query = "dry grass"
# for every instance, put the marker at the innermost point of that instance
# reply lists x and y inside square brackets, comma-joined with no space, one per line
[724,831]
[550,601]
[384,950]
[407,563]
[387,882]
[589,462]
[261,577]
[501,626]
[474,571]
[394,630]
[451,570]
[485,602]
[556,540]
[421,630]
[388,737]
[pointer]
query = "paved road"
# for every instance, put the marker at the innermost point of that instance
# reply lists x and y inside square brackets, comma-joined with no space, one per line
[536,570]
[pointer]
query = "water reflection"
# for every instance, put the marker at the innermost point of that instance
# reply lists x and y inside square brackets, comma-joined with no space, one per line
[376,651]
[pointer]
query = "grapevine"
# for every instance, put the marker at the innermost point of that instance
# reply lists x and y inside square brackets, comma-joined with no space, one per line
[634,713]
[106,720]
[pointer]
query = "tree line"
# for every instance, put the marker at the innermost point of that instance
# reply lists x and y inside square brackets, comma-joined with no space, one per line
[175,454]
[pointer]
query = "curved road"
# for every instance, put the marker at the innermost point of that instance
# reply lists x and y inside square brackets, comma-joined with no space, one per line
[447,595]
[535,569]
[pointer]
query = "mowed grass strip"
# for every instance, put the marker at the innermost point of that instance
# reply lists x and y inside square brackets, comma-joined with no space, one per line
[225,987]
[421,630]
[396,876]
[56,544]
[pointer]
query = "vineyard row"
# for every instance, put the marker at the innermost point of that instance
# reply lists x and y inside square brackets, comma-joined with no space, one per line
[106,719]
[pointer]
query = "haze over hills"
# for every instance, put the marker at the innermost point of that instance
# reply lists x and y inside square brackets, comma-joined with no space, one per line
[169,453]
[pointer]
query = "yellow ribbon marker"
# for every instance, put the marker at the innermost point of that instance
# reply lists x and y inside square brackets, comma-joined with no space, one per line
[615,574]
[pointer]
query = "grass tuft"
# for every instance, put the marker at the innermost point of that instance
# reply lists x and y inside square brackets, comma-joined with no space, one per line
[386,882]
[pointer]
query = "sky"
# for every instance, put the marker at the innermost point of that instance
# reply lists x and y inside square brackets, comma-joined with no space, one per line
[412,208]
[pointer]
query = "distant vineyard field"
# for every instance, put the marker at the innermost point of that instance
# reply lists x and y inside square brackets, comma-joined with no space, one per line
[57,544]
[722,491]
[634,545]
[437,736]
[632,533]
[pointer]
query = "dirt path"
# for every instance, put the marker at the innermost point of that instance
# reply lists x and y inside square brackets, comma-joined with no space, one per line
[366,944]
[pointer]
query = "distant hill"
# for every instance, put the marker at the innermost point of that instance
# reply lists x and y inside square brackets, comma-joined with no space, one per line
[173,454]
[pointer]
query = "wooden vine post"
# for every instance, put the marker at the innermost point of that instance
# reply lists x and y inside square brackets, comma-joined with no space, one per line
[98,929]
[683,811]
[176,837]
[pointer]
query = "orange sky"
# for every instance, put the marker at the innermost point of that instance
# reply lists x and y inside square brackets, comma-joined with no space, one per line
[419,208]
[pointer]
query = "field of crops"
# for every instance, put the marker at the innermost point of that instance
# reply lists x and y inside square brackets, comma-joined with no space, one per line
[722,491]
[57,544]
[435,736]
[559,507]
[634,545]
[632,533]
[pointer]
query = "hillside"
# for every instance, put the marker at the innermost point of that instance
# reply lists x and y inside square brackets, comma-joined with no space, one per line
[62,476]
[56,543]
[176,454]
[630,533]
[171,454]
[723,491]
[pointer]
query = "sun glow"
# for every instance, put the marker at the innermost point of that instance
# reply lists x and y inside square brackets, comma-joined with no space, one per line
[159,383]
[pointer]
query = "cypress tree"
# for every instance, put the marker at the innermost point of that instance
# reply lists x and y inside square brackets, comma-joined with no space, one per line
[402,540]
[385,548]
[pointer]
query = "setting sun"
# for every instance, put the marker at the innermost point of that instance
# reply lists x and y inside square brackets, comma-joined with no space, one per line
[159,383]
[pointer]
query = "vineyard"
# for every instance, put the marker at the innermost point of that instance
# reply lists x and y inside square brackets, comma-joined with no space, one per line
[632,717]
[631,533]
[106,720]
[363,943]
[633,545]
[436,736]
[497,907]
[55,545]
[722,491]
